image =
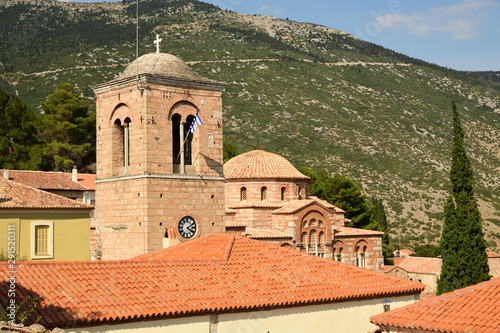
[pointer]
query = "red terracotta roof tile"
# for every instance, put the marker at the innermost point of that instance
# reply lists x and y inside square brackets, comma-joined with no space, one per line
[492,255]
[397,261]
[346,231]
[266,233]
[45,180]
[259,164]
[214,274]
[236,223]
[327,204]
[420,265]
[18,196]
[472,309]
[388,268]
[408,252]
[255,204]
[87,180]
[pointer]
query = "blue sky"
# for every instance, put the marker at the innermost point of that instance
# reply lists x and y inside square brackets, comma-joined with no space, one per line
[463,35]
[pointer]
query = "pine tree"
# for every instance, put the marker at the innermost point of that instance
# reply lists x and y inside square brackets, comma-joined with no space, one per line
[68,130]
[341,192]
[462,243]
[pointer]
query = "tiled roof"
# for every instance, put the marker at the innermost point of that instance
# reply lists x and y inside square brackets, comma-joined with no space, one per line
[214,274]
[296,205]
[346,231]
[230,211]
[388,268]
[259,164]
[18,196]
[163,64]
[45,180]
[266,233]
[255,204]
[87,180]
[420,265]
[472,309]
[236,223]
[492,255]
[327,204]
[408,252]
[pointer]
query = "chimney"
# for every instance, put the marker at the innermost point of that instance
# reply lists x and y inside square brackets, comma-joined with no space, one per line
[74,174]
[6,174]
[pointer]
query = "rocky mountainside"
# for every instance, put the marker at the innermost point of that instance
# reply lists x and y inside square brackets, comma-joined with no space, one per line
[316,95]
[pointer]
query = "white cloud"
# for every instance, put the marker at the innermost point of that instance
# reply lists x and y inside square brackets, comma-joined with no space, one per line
[459,29]
[463,8]
[458,20]
[271,10]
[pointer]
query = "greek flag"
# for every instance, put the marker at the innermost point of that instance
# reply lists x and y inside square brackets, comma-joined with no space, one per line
[196,121]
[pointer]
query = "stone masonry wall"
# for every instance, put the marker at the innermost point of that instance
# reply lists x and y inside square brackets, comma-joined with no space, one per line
[137,200]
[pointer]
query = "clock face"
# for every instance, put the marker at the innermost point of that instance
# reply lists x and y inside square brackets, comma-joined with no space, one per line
[187,227]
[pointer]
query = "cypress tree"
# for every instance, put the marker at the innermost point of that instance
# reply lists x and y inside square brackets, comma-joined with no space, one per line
[462,243]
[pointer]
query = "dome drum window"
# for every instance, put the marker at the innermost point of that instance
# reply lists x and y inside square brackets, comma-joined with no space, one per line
[263,193]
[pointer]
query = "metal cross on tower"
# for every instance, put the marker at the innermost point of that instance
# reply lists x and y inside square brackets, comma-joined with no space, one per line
[157,43]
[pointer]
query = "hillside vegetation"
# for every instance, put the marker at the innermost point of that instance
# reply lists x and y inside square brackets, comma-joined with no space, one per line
[316,95]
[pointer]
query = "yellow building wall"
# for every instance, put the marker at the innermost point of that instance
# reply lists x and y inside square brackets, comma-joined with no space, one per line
[351,317]
[71,232]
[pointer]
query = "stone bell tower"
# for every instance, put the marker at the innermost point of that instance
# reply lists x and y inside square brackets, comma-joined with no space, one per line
[153,173]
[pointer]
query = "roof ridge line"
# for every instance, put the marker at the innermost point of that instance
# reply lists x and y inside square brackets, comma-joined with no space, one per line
[229,248]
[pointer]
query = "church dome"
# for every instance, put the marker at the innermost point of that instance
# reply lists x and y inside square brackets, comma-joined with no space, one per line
[162,64]
[259,164]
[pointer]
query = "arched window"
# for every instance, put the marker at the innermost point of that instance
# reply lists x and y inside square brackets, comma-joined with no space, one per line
[283,190]
[121,142]
[304,223]
[312,222]
[243,194]
[321,237]
[263,193]
[360,256]
[312,237]
[303,237]
[338,255]
[178,140]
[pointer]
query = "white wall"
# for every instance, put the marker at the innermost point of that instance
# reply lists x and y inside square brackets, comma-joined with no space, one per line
[351,317]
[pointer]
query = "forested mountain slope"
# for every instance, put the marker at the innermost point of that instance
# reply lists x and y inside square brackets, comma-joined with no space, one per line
[316,95]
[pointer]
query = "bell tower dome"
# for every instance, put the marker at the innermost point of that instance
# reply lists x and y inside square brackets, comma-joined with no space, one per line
[153,172]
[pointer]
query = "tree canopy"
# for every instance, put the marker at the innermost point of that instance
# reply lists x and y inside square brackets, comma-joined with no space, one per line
[229,151]
[19,144]
[462,243]
[68,130]
[427,250]
[63,136]
[341,192]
